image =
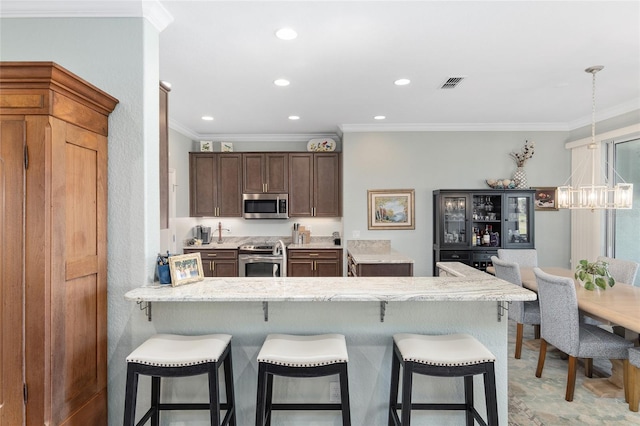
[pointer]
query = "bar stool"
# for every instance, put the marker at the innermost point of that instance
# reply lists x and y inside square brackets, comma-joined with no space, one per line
[301,356]
[634,379]
[170,355]
[452,355]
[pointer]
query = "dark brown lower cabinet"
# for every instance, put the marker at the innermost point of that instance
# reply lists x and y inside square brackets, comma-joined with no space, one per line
[217,263]
[314,263]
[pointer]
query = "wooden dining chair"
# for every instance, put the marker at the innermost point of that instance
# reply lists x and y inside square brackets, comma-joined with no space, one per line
[623,271]
[525,258]
[521,312]
[560,327]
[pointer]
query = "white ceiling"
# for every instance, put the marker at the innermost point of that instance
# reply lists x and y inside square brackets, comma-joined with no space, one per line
[523,61]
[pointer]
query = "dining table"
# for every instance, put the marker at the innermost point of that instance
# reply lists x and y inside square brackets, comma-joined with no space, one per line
[616,306]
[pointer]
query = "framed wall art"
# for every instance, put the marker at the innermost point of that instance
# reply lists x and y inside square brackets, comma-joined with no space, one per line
[546,198]
[185,268]
[391,208]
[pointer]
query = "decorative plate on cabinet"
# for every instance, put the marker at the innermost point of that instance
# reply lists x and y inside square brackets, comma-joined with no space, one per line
[325,144]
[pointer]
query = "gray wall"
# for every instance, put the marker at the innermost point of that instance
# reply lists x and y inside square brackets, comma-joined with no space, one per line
[426,161]
[120,56]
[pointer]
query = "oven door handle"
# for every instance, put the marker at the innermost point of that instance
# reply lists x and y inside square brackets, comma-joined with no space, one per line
[256,258]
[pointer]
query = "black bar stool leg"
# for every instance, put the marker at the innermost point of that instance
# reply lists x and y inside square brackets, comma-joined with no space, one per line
[228,381]
[344,396]
[407,383]
[214,395]
[468,400]
[262,395]
[490,392]
[395,383]
[131,395]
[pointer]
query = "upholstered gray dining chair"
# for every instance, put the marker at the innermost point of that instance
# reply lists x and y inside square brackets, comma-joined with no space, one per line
[521,312]
[560,327]
[527,258]
[623,271]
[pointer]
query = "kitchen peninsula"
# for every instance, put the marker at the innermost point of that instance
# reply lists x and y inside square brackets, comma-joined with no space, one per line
[462,300]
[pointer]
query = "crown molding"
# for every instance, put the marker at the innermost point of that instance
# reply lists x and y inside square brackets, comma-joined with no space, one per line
[453,127]
[633,105]
[250,137]
[151,10]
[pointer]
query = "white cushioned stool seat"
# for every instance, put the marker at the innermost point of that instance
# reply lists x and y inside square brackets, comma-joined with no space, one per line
[449,355]
[171,350]
[290,355]
[445,350]
[304,351]
[172,355]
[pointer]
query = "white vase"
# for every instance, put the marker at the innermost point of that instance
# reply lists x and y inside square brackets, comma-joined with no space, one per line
[520,178]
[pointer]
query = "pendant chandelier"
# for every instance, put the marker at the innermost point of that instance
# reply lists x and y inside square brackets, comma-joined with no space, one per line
[587,194]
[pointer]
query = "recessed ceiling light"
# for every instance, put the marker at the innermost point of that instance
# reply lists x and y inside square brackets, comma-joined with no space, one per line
[379,117]
[294,117]
[207,118]
[281,82]
[286,34]
[402,82]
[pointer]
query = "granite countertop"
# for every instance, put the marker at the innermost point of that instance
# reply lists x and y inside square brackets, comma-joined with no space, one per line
[231,243]
[476,286]
[375,251]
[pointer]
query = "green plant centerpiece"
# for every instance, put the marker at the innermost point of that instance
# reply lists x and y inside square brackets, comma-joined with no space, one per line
[594,274]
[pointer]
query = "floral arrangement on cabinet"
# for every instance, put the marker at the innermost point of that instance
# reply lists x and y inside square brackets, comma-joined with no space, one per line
[519,176]
[526,153]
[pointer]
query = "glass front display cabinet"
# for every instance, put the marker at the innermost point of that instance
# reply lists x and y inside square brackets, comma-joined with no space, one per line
[469,226]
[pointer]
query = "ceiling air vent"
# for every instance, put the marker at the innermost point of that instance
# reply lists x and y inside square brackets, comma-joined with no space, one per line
[452,82]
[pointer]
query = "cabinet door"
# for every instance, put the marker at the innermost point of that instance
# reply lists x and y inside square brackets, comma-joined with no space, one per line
[327,185]
[202,190]
[328,268]
[300,184]
[299,268]
[518,220]
[454,224]
[276,173]
[229,185]
[225,268]
[486,219]
[252,173]
[78,274]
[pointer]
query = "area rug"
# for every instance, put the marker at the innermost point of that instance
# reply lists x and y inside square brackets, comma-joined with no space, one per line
[540,401]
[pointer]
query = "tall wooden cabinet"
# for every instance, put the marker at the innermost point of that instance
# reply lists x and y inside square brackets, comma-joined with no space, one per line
[53,143]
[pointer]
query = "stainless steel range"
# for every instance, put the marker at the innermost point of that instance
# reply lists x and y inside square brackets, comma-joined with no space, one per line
[268,259]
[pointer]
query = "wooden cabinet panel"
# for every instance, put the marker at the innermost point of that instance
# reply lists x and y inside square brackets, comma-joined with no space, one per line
[164,156]
[217,263]
[327,185]
[355,269]
[12,132]
[265,172]
[315,184]
[314,263]
[215,185]
[65,258]
[229,185]
[301,184]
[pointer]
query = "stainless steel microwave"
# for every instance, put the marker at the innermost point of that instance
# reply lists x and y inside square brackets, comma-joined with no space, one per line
[265,206]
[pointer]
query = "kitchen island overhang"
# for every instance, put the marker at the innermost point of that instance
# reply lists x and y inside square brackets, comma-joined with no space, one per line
[463,301]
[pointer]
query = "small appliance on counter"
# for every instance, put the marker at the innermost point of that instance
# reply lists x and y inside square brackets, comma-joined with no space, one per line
[203,233]
[336,238]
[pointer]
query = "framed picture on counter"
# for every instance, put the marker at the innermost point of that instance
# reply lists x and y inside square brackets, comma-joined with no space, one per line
[391,208]
[546,198]
[185,268]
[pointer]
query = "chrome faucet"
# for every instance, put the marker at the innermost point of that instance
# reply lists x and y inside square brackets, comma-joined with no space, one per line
[280,248]
[220,229]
